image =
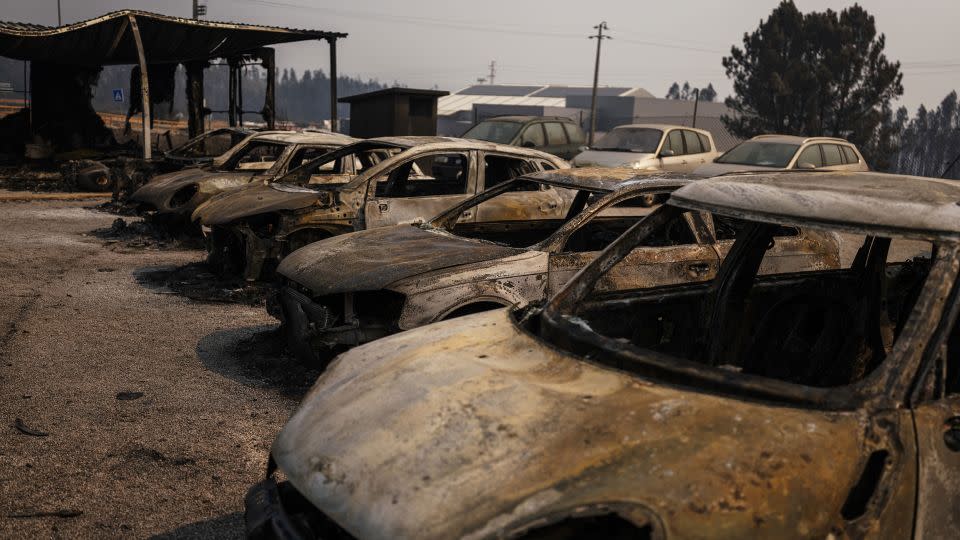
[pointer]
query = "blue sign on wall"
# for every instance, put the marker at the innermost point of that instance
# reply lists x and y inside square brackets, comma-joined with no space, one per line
[118,94]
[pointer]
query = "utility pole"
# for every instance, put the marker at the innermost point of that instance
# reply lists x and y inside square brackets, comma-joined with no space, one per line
[59,19]
[696,102]
[596,75]
[493,70]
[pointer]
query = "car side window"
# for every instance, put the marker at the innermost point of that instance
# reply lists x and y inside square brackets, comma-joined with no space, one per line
[259,156]
[426,176]
[705,142]
[692,142]
[499,169]
[727,228]
[607,225]
[831,155]
[574,134]
[555,134]
[533,135]
[850,155]
[810,156]
[674,142]
[304,155]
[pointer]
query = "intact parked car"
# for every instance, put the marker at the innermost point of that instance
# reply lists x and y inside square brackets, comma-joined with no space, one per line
[765,152]
[251,229]
[557,135]
[807,404]
[261,157]
[651,147]
[361,286]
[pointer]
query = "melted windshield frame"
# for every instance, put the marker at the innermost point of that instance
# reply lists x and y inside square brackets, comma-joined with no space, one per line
[301,175]
[560,326]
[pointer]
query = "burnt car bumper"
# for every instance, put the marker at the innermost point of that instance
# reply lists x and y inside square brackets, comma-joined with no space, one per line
[275,511]
[240,250]
[312,328]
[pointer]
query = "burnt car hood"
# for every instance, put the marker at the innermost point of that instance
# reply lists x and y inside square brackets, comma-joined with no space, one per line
[470,426]
[257,198]
[162,187]
[372,259]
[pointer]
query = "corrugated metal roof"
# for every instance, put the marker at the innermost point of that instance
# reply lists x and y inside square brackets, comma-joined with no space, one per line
[454,103]
[499,90]
[564,91]
[107,39]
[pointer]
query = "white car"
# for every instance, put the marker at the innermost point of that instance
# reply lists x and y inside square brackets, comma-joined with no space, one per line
[765,152]
[651,147]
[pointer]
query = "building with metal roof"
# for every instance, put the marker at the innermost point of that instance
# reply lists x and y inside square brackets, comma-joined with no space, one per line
[615,106]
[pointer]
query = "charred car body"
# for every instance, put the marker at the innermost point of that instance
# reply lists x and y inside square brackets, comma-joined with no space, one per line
[394,180]
[202,149]
[823,403]
[261,157]
[360,286]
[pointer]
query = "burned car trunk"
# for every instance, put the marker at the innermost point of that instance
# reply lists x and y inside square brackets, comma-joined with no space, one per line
[818,402]
[447,268]
[374,183]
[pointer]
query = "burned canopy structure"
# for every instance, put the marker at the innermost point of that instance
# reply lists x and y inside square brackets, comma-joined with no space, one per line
[151,41]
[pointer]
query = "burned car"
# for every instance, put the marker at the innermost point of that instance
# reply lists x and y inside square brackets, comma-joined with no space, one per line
[360,286]
[261,157]
[202,149]
[253,228]
[822,403]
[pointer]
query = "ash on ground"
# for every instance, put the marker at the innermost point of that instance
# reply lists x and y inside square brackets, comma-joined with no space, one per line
[198,282]
[144,234]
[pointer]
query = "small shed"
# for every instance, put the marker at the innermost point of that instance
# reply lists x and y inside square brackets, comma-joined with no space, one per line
[393,111]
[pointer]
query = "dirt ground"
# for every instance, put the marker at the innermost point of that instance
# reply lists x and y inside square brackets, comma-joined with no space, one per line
[151,413]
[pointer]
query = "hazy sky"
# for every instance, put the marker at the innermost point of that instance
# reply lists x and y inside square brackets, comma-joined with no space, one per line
[451,42]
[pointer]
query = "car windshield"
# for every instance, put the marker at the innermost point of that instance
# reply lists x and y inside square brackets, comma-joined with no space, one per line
[579,220]
[760,154]
[209,144]
[338,167]
[496,131]
[640,140]
[792,313]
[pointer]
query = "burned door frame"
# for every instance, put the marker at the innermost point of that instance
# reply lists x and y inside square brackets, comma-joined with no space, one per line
[936,420]
[564,264]
[372,206]
[549,201]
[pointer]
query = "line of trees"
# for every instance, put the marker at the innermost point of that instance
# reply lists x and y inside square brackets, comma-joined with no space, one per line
[302,99]
[688,93]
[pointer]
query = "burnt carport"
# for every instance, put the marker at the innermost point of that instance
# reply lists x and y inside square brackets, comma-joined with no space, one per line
[144,39]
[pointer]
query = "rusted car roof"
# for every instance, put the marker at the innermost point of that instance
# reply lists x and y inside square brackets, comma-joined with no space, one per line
[305,137]
[608,178]
[409,141]
[862,202]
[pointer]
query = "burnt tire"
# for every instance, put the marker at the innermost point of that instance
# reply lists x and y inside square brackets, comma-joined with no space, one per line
[98,181]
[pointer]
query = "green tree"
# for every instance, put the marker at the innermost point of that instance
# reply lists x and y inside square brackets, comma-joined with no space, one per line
[688,93]
[823,73]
